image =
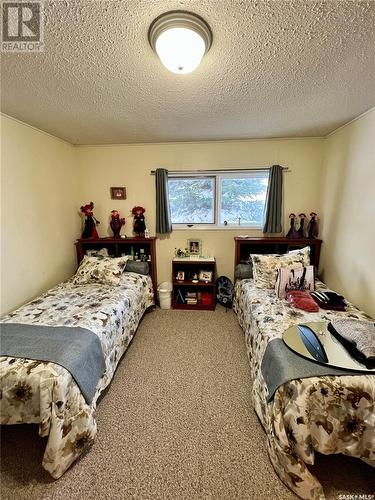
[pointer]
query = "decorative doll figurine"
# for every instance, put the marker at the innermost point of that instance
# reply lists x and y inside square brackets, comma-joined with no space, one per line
[313,226]
[292,233]
[139,221]
[116,223]
[89,230]
[301,229]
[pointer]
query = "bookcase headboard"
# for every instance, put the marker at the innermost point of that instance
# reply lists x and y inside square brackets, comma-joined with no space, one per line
[118,246]
[246,246]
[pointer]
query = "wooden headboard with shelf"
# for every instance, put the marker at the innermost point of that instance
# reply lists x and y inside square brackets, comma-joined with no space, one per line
[246,246]
[118,246]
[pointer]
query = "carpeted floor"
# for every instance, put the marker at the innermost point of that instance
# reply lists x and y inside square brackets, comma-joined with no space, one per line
[176,423]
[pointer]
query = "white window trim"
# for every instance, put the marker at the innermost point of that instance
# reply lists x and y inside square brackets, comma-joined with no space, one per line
[218,176]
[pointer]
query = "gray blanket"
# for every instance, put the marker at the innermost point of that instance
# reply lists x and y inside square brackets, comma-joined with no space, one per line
[76,349]
[280,365]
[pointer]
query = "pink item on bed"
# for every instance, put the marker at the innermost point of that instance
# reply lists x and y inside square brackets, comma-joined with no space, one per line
[302,300]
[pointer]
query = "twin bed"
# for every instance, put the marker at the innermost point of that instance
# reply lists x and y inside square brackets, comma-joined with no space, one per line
[328,414]
[45,393]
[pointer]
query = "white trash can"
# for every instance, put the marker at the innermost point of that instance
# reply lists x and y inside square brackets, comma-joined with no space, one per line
[165,295]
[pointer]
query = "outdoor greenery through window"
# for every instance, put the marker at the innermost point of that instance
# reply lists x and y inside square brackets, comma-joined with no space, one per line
[218,199]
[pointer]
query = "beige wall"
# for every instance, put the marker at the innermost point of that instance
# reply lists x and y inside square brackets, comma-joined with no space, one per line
[129,165]
[44,181]
[39,220]
[348,212]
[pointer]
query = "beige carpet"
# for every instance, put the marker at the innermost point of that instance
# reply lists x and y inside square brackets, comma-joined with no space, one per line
[176,423]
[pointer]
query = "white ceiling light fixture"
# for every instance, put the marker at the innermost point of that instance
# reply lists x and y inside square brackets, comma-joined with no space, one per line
[180,39]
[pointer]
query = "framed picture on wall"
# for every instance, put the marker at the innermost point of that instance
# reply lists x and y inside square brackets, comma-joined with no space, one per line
[195,247]
[118,193]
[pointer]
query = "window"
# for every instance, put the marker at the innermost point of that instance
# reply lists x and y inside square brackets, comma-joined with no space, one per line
[218,199]
[192,200]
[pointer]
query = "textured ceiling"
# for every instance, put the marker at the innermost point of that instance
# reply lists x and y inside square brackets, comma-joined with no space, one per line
[275,69]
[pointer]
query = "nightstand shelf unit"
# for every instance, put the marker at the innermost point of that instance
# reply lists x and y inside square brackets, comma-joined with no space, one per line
[192,290]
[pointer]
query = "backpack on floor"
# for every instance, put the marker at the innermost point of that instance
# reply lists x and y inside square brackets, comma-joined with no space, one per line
[224,291]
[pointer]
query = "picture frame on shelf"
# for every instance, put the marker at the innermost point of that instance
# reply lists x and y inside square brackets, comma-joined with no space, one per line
[118,193]
[205,276]
[180,276]
[195,247]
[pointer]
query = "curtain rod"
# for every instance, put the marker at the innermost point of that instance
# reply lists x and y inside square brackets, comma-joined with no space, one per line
[259,169]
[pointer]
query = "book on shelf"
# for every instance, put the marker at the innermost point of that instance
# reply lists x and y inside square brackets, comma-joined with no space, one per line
[179,297]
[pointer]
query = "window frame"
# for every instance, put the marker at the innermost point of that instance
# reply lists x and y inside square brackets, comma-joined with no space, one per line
[218,175]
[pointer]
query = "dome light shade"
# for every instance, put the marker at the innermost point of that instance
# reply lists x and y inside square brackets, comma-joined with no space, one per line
[180,39]
[180,49]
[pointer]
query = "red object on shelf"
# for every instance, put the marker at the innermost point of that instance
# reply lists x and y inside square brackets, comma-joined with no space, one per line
[207,298]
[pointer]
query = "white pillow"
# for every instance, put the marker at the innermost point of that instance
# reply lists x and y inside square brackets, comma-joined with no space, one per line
[105,270]
[304,253]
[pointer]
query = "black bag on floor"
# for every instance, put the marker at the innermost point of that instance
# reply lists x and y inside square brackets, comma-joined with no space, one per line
[224,291]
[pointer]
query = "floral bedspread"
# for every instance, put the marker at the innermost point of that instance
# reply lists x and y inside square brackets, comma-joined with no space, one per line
[329,414]
[45,393]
